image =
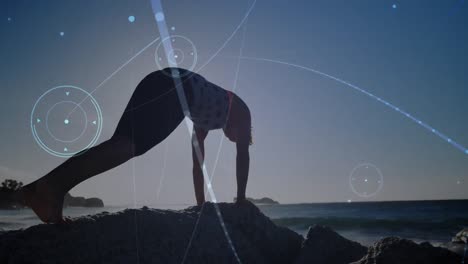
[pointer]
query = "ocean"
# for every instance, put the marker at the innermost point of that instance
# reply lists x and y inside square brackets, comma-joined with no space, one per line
[364,222]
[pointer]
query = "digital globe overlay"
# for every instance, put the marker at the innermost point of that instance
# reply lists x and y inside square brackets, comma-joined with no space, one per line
[366,180]
[183,53]
[66,120]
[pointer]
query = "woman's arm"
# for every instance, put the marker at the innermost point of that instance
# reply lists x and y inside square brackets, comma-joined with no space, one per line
[198,182]
[242,165]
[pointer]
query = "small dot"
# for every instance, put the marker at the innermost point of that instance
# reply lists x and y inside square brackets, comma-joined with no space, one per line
[9,19]
[394,6]
[458,182]
[365,180]
[131,19]
[172,28]
[62,33]
[66,121]
[349,201]
[159,16]
[209,185]
[466,151]
[449,140]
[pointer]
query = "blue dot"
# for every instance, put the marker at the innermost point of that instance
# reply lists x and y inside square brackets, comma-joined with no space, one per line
[62,33]
[394,6]
[131,19]
[449,140]
[66,121]
[159,16]
[9,19]
[172,28]
[466,151]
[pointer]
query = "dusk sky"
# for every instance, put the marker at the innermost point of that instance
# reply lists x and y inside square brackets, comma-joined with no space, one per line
[316,139]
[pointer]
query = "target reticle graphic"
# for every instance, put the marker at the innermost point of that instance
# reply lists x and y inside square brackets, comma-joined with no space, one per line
[366,180]
[66,120]
[183,53]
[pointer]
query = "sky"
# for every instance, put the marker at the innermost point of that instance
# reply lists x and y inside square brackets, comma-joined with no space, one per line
[336,90]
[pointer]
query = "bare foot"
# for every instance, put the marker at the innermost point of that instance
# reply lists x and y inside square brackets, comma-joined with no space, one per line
[44,201]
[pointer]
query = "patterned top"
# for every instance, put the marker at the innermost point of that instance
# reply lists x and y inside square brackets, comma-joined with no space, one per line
[209,104]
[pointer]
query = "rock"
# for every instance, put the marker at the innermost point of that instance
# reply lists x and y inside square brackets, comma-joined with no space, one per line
[461,237]
[458,248]
[392,250]
[459,243]
[323,245]
[156,236]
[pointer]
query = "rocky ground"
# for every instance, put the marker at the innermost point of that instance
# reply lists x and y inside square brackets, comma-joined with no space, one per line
[167,236]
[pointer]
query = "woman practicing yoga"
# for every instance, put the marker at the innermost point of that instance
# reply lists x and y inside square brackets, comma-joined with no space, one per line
[153,112]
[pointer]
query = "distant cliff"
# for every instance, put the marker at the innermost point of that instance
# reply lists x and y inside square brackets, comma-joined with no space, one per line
[264,200]
[70,200]
[9,201]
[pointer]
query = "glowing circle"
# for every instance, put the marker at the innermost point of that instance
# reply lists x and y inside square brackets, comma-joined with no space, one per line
[394,6]
[366,180]
[176,56]
[66,120]
[131,19]
[62,33]
[159,16]
[63,113]
[183,53]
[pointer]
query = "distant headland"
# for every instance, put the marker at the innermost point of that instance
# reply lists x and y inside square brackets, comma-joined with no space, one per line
[264,200]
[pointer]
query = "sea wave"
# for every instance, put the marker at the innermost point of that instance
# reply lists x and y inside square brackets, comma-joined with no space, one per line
[354,223]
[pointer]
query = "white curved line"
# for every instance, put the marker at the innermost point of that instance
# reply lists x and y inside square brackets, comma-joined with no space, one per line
[230,37]
[379,99]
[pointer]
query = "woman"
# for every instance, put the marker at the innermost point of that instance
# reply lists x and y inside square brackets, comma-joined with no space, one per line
[153,113]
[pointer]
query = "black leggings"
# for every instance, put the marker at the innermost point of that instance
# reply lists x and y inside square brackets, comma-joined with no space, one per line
[152,114]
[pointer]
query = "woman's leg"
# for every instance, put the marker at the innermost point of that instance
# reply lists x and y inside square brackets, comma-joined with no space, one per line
[137,132]
[45,196]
